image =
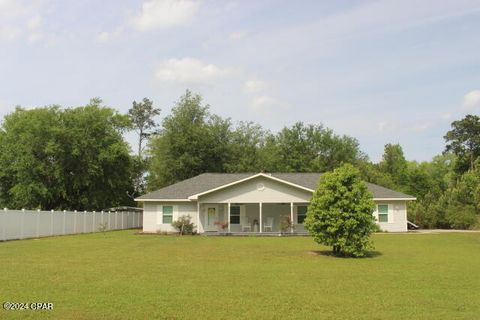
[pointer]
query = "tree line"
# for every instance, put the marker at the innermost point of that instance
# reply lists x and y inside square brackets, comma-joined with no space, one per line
[77,158]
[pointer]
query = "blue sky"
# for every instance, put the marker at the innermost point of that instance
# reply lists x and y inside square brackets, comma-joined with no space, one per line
[381,71]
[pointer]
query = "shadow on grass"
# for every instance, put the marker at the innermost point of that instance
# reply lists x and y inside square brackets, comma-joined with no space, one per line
[329,253]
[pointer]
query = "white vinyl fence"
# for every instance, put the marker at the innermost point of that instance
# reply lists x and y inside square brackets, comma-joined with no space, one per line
[21,224]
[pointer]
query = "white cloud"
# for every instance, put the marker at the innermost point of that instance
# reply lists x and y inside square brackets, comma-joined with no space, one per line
[34,37]
[254,86]
[35,22]
[162,14]
[9,32]
[471,100]
[20,19]
[191,71]
[102,37]
[238,35]
[403,127]
[418,127]
[382,125]
[446,116]
[11,7]
[262,102]
[106,36]
[265,104]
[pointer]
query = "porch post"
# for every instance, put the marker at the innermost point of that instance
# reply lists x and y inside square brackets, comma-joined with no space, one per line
[260,227]
[291,217]
[198,216]
[228,209]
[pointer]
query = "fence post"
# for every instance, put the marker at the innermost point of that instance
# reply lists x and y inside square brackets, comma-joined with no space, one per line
[51,223]
[4,218]
[123,214]
[37,223]
[93,221]
[74,221]
[21,223]
[109,224]
[116,218]
[84,221]
[64,222]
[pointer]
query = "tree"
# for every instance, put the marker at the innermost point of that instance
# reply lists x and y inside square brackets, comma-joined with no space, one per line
[65,159]
[31,174]
[340,213]
[464,141]
[313,148]
[462,202]
[394,164]
[245,145]
[370,172]
[142,115]
[191,141]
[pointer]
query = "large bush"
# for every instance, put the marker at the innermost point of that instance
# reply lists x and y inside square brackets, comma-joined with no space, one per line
[184,225]
[340,213]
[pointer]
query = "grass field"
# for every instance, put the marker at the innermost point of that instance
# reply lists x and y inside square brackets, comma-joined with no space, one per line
[126,276]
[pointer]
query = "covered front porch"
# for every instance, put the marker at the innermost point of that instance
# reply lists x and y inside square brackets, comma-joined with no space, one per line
[252,218]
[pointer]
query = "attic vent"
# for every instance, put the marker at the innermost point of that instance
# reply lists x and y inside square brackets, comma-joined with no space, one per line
[260,187]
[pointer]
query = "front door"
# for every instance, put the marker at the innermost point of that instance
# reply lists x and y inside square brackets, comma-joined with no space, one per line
[211,218]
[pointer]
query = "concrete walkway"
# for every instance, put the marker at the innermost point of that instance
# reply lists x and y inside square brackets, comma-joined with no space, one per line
[443,231]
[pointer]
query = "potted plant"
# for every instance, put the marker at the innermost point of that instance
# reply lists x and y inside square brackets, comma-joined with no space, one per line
[222,225]
[286,224]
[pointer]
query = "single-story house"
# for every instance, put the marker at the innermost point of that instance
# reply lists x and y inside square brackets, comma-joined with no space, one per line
[248,202]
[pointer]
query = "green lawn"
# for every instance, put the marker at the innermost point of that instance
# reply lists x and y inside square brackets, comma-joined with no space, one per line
[127,276]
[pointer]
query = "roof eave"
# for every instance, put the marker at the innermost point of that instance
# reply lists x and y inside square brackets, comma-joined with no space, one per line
[392,199]
[162,200]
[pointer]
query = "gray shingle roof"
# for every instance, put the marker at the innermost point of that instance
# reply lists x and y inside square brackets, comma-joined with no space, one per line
[208,181]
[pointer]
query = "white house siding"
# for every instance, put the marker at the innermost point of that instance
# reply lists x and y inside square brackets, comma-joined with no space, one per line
[149,217]
[152,215]
[250,192]
[397,216]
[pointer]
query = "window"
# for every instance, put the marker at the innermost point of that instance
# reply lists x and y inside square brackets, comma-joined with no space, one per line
[167,212]
[301,214]
[235,215]
[383,213]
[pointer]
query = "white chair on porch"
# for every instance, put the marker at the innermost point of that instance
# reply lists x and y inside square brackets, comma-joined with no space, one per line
[268,224]
[246,226]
